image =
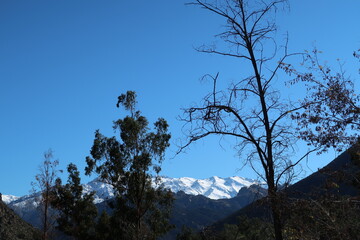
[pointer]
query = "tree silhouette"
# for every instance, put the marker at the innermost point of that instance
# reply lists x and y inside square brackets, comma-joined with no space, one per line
[251,110]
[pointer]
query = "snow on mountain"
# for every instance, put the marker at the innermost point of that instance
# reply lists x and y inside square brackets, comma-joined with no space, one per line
[213,187]
[9,198]
[27,201]
[102,190]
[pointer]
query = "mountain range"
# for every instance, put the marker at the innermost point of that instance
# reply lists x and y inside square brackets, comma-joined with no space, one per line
[198,202]
[213,188]
[219,201]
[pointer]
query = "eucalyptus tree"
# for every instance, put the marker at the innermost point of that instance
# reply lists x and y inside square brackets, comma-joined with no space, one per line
[129,163]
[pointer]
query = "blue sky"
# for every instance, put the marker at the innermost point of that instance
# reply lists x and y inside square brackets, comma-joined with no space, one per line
[63,64]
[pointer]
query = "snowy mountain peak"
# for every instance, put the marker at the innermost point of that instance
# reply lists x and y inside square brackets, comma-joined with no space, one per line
[9,198]
[213,187]
[102,190]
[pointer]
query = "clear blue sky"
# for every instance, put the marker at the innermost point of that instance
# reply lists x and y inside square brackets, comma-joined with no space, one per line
[63,64]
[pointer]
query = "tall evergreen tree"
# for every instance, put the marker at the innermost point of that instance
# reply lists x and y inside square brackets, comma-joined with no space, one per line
[128,164]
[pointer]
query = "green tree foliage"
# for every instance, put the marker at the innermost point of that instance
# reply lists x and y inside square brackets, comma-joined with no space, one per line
[77,212]
[187,234]
[103,227]
[141,211]
[248,229]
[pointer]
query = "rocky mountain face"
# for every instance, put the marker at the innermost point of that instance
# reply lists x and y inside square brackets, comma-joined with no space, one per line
[198,211]
[203,211]
[12,227]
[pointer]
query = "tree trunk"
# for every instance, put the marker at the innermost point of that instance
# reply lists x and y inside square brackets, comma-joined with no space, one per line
[45,226]
[275,210]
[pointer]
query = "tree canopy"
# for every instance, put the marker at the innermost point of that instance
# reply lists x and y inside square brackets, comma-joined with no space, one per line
[131,164]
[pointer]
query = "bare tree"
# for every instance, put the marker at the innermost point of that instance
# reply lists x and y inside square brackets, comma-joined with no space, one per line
[250,110]
[45,181]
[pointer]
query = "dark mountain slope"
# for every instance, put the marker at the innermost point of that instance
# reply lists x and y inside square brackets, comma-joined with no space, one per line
[197,212]
[12,227]
[336,178]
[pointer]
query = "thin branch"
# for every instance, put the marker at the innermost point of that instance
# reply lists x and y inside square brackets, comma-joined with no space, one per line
[223,53]
[294,164]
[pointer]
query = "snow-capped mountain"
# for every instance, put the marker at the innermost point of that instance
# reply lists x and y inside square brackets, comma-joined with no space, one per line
[213,187]
[9,198]
[102,190]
